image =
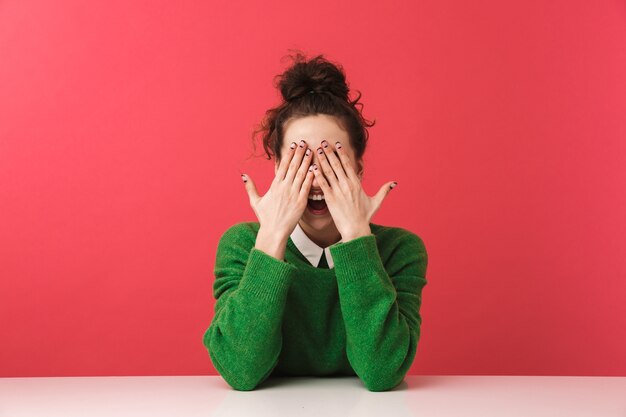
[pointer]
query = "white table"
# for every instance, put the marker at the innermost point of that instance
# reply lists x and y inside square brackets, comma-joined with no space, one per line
[418,396]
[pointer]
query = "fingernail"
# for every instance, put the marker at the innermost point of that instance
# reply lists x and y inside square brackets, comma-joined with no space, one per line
[338,145]
[315,166]
[302,143]
[320,151]
[393,184]
[308,152]
[324,143]
[293,145]
[243,177]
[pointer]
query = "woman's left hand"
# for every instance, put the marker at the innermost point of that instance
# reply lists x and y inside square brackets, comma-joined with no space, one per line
[347,203]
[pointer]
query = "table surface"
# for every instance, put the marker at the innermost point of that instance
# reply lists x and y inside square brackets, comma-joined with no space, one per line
[188,396]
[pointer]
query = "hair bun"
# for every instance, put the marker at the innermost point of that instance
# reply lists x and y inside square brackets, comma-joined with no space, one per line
[327,81]
[314,76]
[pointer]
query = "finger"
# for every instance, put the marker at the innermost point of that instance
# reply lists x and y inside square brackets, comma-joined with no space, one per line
[253,195]
[296,161]
[281,172]
[306,185]
[346,163]
[324,185]
[303,170]
[382,193]
[325,167]
[334,162]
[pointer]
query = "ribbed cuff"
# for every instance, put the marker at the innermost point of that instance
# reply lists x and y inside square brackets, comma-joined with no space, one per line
[266,276]
[356,259]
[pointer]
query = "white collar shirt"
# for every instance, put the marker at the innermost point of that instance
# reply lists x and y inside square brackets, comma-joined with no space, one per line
[310,249]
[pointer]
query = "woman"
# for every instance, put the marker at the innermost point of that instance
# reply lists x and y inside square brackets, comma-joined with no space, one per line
[314,288]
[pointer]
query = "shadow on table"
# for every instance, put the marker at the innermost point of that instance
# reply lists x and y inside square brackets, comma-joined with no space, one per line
[416,382]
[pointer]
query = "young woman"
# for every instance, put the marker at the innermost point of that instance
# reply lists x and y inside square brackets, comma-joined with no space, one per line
[314,288]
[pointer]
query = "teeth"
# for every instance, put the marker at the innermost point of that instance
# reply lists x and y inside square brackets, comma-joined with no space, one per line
[316,197]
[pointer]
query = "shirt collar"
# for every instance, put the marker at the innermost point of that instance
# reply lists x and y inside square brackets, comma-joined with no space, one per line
[310,249]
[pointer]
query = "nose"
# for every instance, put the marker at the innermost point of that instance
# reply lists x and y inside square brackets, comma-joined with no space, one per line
[315,185]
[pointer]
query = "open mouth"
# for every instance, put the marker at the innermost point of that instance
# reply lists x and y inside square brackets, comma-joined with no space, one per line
[317,207]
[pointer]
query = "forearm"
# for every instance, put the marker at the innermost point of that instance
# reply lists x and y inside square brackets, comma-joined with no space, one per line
[245,339]
[381,345]
[272,243]
[381,316]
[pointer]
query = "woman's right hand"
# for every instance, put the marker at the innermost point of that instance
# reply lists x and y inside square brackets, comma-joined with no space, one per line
[280,209]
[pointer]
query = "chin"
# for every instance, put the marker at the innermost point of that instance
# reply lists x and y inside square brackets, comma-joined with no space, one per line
[318,222]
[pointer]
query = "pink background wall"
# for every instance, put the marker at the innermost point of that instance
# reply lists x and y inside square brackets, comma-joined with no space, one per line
[123,124]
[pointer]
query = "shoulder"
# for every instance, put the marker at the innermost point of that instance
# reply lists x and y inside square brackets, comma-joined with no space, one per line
[402,251]
[391,236]
[237,240]
[234,245]
[240,232]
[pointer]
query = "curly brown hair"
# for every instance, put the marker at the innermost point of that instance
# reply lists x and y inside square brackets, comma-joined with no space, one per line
[309,87]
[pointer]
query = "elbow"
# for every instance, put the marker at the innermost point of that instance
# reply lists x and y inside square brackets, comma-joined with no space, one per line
[246,381]
[241,384]
[385,374]
[240,373]
[379,382]
[240,376]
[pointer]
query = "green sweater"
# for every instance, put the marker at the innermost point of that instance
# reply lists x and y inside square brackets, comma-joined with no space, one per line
[288,317]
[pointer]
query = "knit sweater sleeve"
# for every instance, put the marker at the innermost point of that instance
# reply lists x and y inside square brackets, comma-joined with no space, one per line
[244,339]
[381,306]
